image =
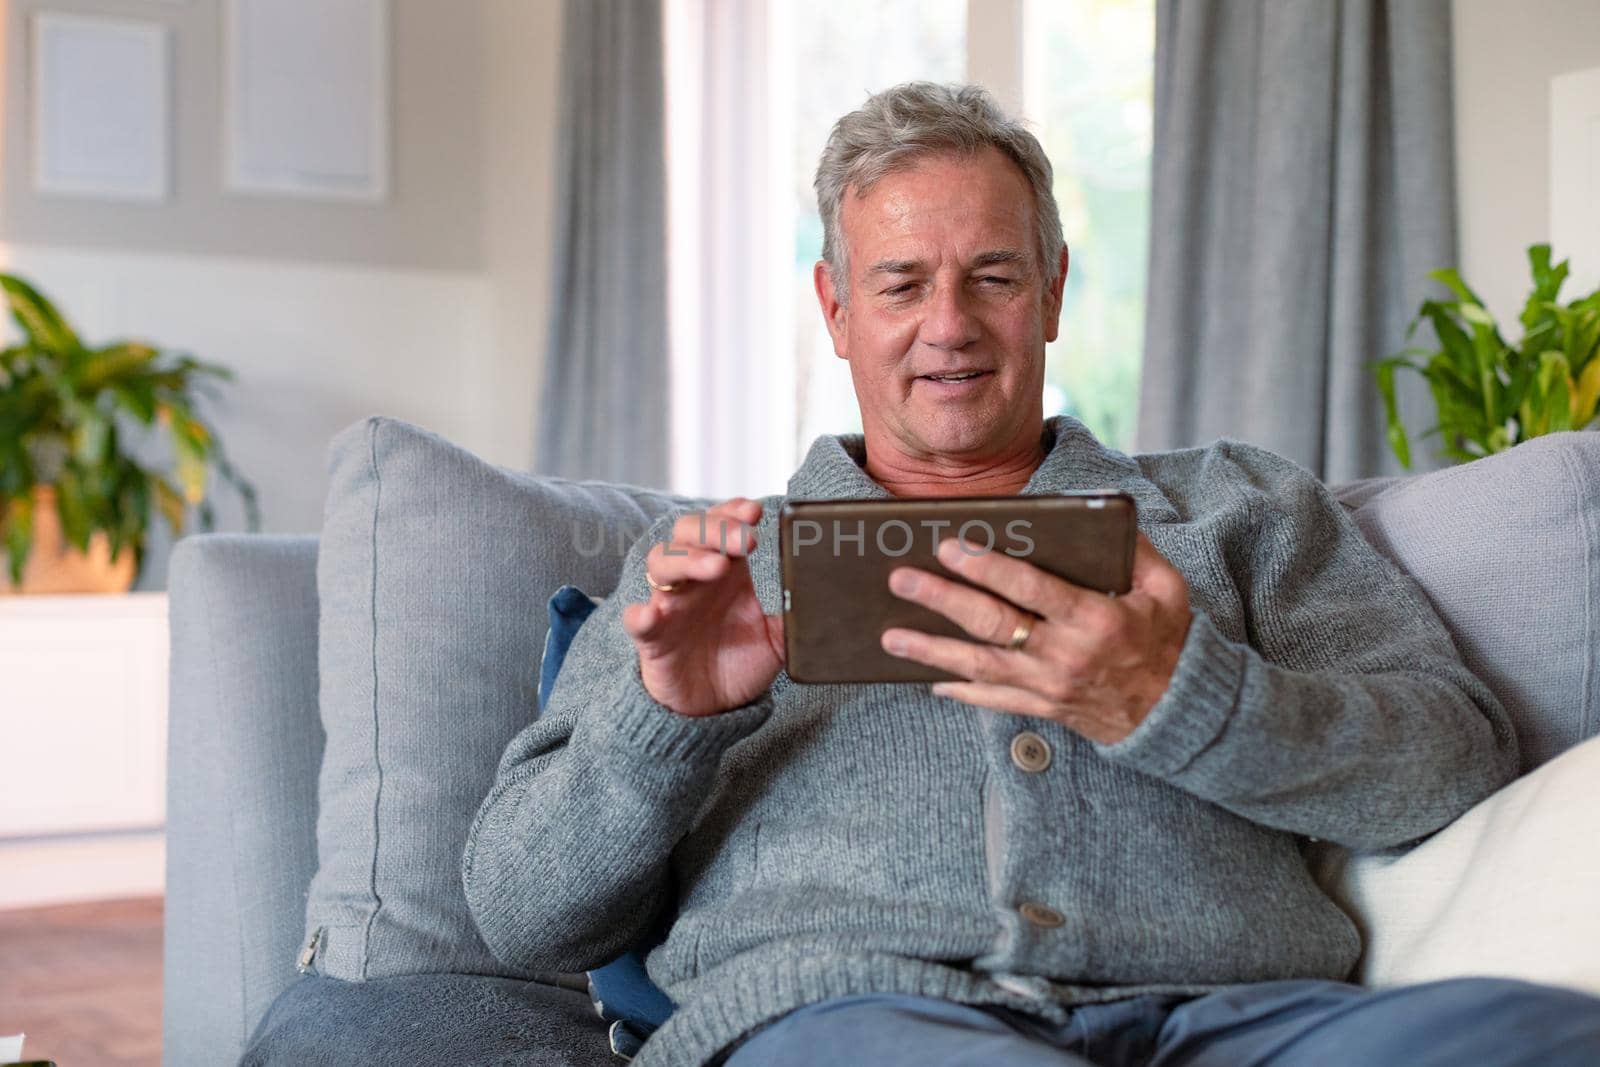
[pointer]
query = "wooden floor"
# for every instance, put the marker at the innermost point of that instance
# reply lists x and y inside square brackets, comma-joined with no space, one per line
[83,981]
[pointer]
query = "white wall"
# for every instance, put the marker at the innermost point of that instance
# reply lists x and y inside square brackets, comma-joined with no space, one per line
[430,307]
[1505,56]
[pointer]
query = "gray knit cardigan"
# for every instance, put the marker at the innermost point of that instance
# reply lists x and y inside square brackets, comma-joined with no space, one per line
[835,839]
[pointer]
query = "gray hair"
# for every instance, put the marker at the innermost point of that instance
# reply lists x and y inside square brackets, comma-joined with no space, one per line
[900,125]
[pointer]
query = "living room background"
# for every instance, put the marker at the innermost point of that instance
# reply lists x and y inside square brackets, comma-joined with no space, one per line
[433,306]
[430,305]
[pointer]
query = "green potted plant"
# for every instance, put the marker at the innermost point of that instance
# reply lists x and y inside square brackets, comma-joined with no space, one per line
[1491,394]
[75,503]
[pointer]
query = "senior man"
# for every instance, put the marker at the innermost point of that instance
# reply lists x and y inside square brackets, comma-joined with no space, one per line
[1091,849]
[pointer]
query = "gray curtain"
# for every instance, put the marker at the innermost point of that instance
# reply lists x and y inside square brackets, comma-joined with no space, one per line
[604,404]
[1303,187]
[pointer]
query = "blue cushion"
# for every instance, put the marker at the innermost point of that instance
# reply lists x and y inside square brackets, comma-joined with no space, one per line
[622,990]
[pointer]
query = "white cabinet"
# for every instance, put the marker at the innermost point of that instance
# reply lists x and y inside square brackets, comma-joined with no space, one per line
[83,724]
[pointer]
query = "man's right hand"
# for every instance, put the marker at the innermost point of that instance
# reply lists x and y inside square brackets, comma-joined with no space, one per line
[706,647]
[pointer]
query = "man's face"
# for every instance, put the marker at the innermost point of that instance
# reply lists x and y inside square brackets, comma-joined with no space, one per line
[944,280]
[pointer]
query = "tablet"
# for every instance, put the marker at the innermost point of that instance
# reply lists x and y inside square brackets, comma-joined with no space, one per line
[837,554]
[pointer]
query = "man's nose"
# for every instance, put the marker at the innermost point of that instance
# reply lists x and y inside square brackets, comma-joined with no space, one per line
[949,322]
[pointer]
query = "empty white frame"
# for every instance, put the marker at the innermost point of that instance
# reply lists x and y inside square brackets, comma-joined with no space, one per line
[101,107]
[307,88]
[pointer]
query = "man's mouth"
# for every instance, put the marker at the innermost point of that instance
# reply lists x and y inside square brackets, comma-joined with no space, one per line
[956,376]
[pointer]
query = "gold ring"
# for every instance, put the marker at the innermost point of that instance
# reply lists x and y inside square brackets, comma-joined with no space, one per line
[1020,635]
[657,586]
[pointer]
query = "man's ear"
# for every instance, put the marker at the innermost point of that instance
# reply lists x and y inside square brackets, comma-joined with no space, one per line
[834,314]
[1052,300]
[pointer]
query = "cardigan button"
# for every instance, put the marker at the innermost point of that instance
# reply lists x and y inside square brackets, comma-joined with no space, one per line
[1039,915]
[1030,752]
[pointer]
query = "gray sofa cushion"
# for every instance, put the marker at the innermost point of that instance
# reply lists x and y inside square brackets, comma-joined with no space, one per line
[1508,550]
[432,574]
[243,748]
[446,1019]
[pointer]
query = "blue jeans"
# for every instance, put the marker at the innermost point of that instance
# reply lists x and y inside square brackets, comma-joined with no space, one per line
[1485,1022]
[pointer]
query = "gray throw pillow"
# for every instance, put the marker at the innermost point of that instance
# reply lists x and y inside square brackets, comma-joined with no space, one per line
[1508,550]
[432,574]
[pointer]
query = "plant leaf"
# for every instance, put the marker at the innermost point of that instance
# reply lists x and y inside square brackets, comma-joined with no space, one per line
[1547,282]
[133,505]
[1396,431]
[190,454]
[115,363]
[37,317]
[1583,336]
[1490,353]
[1452,337]
[241,485]
[170,502]
[1587,395]
[17,526]
[136,398]
[72,505]
[1451,279]
[92,438]
[1555,379]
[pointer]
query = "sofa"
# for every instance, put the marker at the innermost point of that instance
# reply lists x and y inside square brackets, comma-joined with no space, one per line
[338,701]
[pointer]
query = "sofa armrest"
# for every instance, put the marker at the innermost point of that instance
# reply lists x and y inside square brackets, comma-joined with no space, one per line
[244,747]
[1508,889]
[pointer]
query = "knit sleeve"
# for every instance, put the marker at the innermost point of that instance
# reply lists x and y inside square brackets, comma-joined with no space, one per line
[568,861]
[1347,714]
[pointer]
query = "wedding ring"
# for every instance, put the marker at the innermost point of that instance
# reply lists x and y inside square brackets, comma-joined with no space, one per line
[657,586]
[1019,636]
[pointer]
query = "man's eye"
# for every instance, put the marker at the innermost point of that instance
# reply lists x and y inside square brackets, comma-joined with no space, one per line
[995,280]
[899,290]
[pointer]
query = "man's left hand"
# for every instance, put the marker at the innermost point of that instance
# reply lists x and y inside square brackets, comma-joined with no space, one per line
[1092,662]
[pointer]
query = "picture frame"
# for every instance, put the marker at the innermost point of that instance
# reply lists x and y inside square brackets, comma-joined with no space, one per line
[306,99]
[101,107]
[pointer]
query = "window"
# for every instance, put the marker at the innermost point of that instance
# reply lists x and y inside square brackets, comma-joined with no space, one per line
[754,88]
[1089,67]
[850,49]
